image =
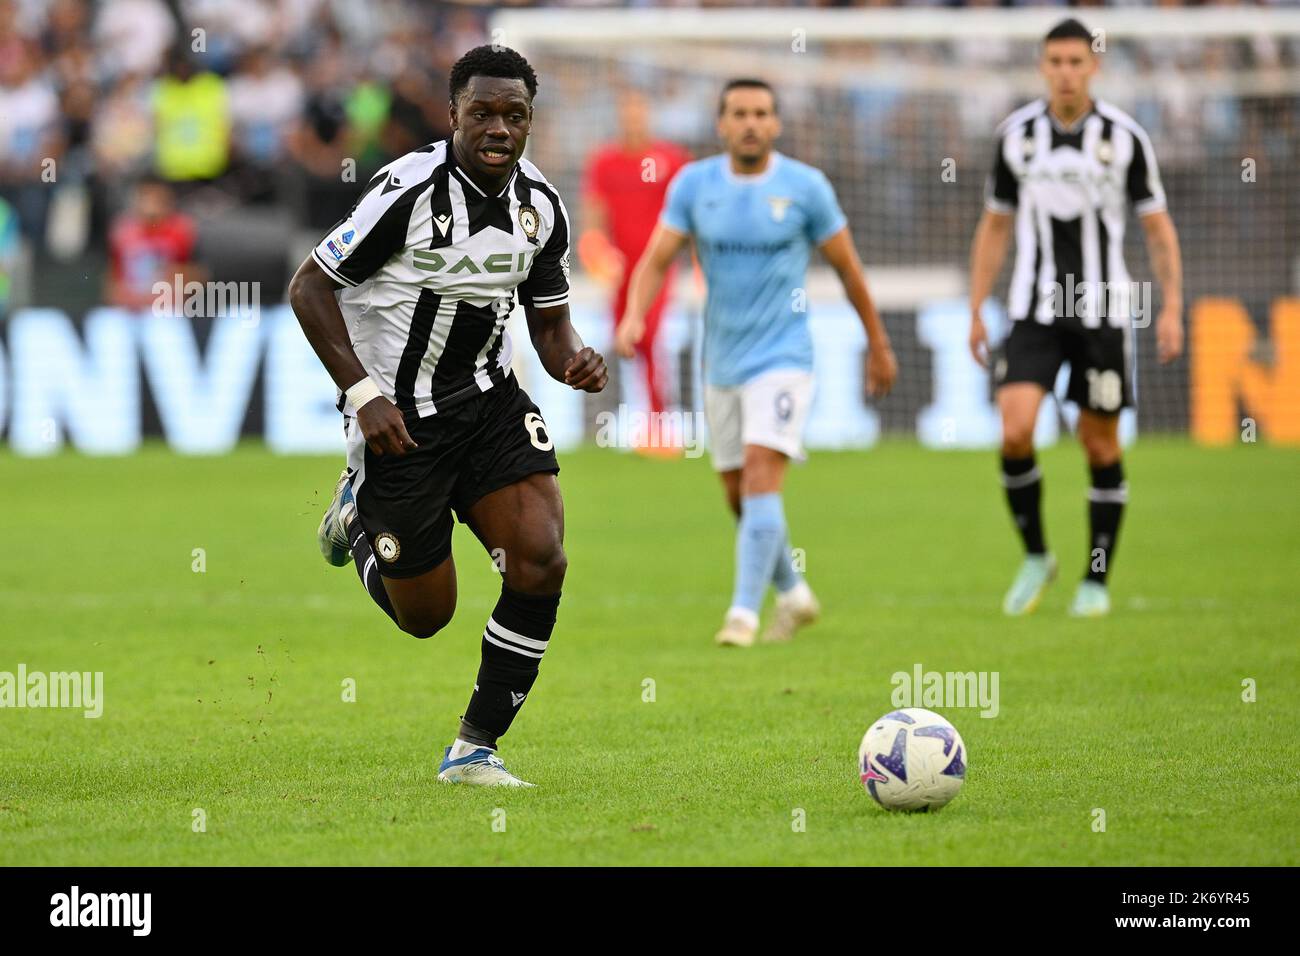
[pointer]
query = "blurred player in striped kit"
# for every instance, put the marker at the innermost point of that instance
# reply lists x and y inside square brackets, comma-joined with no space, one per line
[1066,170]
[755,217]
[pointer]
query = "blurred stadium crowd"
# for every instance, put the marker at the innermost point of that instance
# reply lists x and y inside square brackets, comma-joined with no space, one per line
[254,107]
[215,104]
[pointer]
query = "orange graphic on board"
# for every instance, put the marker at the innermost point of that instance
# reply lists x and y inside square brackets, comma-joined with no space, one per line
[1229,379]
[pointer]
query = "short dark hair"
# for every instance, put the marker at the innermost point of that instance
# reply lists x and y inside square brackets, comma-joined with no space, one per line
[487,60]
[1069,29]
[744,83]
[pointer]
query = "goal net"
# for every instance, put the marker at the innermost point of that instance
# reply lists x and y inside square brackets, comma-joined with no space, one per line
[899,108]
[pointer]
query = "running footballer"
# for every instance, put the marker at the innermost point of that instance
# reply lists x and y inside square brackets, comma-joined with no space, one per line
[406,302]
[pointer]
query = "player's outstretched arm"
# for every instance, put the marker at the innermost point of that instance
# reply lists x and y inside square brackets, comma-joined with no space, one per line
[988,251]
[882,367]
[1167,264]
[561,351]
[311,296]
[647,279]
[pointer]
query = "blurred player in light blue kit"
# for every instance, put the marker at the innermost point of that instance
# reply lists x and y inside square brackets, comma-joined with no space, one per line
[755,216]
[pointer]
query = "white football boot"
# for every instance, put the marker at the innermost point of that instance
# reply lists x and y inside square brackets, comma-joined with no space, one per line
[468,763]
[796,608]
[738,628]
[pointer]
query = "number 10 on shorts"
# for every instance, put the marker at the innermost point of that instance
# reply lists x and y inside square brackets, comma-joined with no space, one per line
[1105,389]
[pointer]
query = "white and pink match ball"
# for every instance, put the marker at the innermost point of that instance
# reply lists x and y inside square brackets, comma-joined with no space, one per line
[912,759]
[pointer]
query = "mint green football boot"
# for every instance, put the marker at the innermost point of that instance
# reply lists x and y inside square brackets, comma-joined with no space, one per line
[1090,600]
[1035,574]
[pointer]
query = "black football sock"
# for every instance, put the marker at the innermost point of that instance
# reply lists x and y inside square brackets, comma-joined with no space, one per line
[476,735]
[1106,500]
[1024,484]
[513,644]
[363,556]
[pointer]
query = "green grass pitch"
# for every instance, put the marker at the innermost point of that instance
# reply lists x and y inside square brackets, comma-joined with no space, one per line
[224,689]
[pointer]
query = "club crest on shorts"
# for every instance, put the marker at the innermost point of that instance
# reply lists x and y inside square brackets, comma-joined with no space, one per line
[529,220]
[386,547]
[784,406]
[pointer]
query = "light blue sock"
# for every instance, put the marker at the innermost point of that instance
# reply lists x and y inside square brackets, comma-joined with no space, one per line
[785,576]
[759,539]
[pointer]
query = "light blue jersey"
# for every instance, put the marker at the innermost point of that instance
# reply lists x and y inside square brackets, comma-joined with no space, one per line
[754,236]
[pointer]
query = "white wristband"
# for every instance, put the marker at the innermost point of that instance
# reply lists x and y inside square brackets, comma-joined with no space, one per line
[362,392]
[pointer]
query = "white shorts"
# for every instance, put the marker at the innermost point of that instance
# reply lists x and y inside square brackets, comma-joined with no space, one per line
[769,410]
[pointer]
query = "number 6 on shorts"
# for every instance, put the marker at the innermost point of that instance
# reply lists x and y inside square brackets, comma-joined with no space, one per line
[537,433]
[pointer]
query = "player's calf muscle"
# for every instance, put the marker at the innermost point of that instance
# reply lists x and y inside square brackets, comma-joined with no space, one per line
[522,527]
[538,567]
[422,626]
[763,471]
[1100,441]
[424,604]
[1017,438]
[731,490]
[1018,403]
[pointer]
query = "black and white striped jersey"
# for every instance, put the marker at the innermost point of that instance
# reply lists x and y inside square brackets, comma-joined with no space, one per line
[1070,190]
[431,264]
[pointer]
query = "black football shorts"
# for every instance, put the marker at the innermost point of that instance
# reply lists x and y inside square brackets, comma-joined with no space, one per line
[1100,362]
[465,452]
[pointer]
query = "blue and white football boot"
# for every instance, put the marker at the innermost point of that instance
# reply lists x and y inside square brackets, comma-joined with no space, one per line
[476,765]
[332,535]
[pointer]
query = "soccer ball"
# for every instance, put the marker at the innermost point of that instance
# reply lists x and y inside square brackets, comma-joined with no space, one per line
[912,759]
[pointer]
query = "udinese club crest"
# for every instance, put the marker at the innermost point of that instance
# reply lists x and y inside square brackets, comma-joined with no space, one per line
[387,547]
[529,220]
